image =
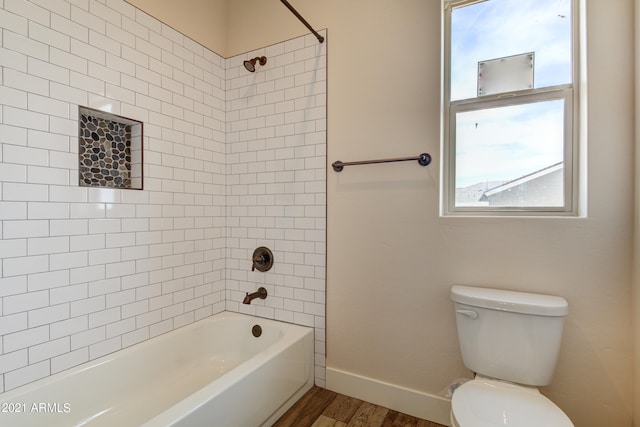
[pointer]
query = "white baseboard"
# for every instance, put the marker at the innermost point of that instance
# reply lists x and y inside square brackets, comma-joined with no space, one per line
[412,402]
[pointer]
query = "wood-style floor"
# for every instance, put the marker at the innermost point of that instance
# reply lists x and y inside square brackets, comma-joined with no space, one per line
[320,407]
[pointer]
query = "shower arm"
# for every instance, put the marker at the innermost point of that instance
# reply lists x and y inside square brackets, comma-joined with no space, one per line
[295,12]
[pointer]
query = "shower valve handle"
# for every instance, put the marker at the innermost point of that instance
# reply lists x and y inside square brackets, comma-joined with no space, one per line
[262,259]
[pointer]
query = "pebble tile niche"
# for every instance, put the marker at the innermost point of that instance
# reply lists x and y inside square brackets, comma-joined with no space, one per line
[110,150]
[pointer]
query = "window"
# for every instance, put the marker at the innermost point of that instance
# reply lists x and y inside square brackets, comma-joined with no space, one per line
[510,108]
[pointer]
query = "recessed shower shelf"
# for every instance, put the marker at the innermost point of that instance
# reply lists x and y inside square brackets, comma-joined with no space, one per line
[110,150]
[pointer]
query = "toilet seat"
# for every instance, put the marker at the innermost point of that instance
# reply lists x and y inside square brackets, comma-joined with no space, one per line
[485,402]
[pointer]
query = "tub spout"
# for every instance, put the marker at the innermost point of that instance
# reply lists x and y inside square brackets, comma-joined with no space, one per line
[260,293]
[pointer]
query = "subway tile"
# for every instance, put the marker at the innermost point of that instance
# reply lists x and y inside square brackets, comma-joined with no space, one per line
[68,94]
[62,126]
[104,317]
[134,253]
[103,103]
[25,155]
[13,360]
[105,347]
[85,50]
[120,269]
[104,287]
[13,135]
[118,34]
[13,97]
[87,338]
[88,210]
[68,327]
[47,210]
[13,286]
[25,45]
[86,306]
[44,34]
[23,118]
[49,349]
[68,227]
[25,228]
[104,74]
[135,281]
[26,375]
[81,83]
[46,315]
[12,173]
[104,256]
[26,338]
[117,299]
[68,360]
[134,309]
[120,211]
[120,327]
[14,22]
[63,24]
[68,293]
[44,175]
[13,248]
[67,61]
[107,13]
[67,194]
[49,106]
[87,274]
[98,226]
[47,280]
[68,260]
[135,337]
[27,9]
[115,240]
[13,60]
[129,25]
[13,323]
[88,20]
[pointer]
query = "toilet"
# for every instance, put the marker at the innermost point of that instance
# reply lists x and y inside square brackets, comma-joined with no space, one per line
[511,341]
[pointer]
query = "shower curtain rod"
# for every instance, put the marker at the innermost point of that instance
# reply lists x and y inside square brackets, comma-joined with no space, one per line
[295,12]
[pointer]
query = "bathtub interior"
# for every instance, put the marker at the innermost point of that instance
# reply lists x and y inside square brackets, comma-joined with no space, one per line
[180,369]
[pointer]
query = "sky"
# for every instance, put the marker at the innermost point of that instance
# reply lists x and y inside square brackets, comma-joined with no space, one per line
[509,142]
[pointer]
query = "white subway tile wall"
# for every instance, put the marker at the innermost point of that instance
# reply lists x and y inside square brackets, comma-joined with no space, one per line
[233,160]
[276,184]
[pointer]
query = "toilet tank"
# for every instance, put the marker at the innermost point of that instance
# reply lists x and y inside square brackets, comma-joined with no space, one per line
[508,335]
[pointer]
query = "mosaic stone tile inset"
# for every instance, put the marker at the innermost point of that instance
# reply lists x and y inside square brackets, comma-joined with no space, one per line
[110,150]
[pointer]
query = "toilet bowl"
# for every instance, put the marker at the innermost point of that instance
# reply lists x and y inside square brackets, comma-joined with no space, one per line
[484,402]
[511,341]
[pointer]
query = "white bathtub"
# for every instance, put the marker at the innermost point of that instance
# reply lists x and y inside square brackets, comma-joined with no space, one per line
[211,373]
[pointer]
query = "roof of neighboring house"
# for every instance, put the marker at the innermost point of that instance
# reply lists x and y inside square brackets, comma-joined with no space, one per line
[522,180]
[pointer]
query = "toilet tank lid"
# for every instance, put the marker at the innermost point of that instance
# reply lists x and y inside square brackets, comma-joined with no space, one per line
[517,302]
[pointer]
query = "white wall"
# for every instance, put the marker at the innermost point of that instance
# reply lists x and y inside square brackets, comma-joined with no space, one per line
[88,271]
[391,259]
[635,300]
[204,21]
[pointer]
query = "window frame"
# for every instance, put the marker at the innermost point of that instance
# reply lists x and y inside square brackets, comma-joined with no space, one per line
[567,92]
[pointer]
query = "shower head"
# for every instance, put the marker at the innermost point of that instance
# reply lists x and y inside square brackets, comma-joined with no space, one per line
[251,64]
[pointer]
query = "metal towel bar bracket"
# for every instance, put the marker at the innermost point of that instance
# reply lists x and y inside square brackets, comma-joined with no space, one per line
[423,159]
